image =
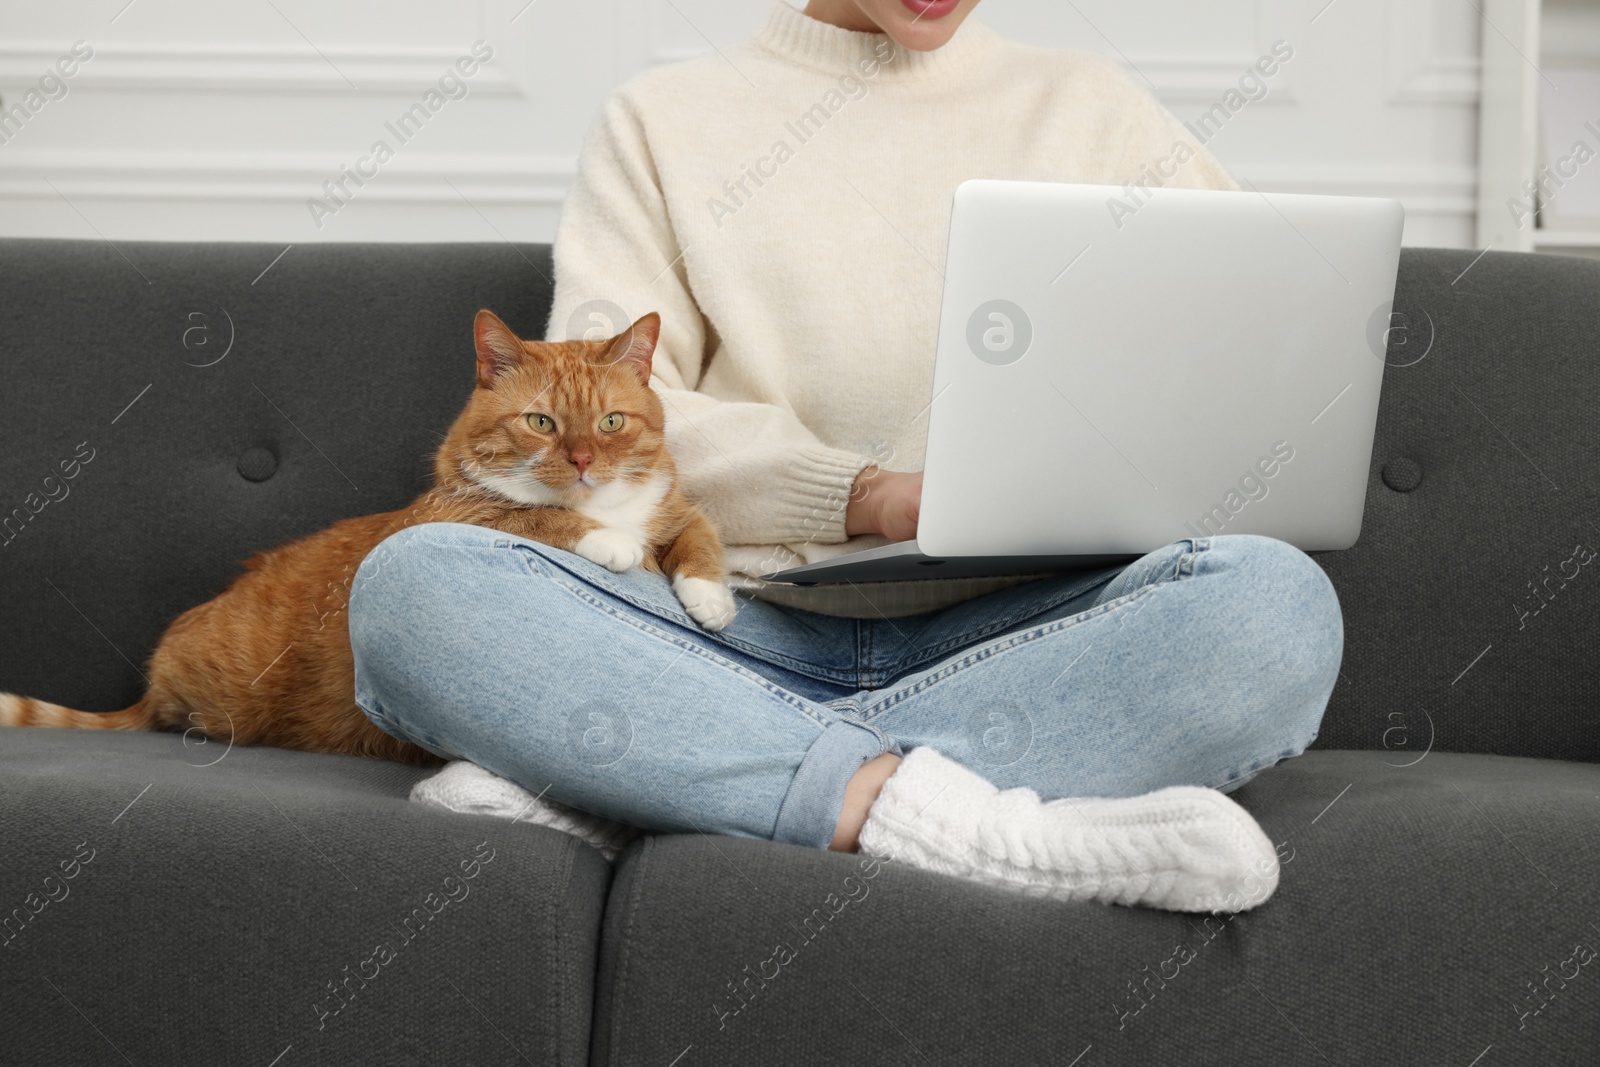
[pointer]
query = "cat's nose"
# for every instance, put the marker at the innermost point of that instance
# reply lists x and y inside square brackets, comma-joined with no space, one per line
[581,460]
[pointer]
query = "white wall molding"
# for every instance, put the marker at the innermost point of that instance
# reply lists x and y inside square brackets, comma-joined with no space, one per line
[1189,76]
[1430,54]
[1378,179]
[1208,78]
[1440,202]
[1437,200]
[204,67]
[279,178]
[543,179]
[1443,80]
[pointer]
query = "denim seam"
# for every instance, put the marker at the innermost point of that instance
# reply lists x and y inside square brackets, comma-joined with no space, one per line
[581,591]
[373,712]
[1186,562]
[841,676]
[964,640]
[791,810]
[1268,761]
[851,706]
[397,729]
[866,669]
[835,676]
[1011,641]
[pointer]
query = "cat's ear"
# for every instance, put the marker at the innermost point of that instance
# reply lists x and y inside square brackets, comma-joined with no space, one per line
[634,348]
[498,348]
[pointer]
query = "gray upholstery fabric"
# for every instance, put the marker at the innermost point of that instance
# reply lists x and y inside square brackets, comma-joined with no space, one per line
[1412,911]
[1414,915]
[1499,418]
[348,362]
[226,889]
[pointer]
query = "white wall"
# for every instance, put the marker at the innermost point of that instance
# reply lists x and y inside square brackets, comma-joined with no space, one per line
[199,120]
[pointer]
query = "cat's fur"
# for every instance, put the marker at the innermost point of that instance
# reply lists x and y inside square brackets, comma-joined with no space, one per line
[268,662]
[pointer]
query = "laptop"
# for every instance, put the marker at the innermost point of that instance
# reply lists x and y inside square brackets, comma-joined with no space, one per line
[1118,372]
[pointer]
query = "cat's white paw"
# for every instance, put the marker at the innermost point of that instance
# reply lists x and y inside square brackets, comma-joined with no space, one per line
[711,604]
[612,549]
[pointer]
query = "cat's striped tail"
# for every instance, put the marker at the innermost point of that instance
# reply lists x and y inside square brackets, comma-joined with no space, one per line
[26,711]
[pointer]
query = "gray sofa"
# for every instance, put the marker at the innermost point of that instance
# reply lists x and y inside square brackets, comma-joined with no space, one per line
[171,901]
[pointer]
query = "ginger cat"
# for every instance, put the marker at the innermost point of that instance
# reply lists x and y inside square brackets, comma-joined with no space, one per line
[560,443]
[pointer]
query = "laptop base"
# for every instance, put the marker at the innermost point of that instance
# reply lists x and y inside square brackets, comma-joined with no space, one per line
[903,561]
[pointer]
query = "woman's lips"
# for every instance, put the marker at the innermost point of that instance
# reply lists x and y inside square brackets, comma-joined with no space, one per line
[930,9]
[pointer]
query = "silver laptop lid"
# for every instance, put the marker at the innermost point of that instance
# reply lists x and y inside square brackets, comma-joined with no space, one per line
[1114,374]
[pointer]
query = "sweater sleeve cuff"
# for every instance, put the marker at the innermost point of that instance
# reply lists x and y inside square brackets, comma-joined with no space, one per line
[811,503]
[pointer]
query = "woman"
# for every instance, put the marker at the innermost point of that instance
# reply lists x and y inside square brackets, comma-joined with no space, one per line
[783,205]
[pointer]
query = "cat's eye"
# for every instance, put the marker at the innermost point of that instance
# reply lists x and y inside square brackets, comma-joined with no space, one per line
[542,423]
[612,422]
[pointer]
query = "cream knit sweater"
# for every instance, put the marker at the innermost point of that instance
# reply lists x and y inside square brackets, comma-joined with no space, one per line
[784,205]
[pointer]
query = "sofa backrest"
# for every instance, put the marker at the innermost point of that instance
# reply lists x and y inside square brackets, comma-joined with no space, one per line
[222,406]
[169,409]
[1470,614]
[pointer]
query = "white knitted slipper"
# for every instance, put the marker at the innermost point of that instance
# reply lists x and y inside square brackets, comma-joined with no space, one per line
[1184,848]
[465,787]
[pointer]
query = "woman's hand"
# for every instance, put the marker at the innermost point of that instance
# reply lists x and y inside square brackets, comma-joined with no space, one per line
[884,502]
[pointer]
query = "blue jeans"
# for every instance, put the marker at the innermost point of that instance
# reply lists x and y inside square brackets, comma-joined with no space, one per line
[1199,664]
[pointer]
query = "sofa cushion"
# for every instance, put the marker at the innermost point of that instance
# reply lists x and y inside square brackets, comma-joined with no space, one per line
[1469,607]
[205,899]
[347,364]
[1419,907]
